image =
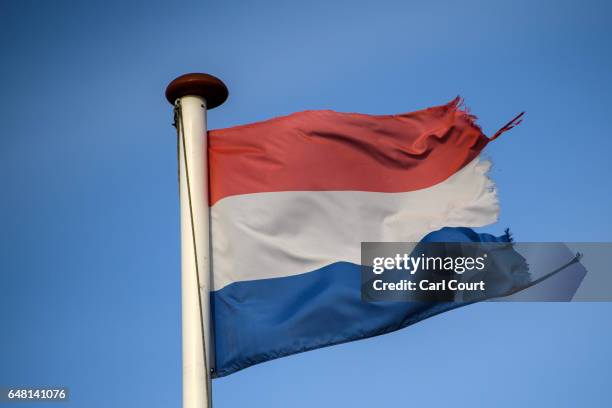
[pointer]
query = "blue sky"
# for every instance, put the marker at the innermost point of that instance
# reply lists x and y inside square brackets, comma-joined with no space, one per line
[89,248]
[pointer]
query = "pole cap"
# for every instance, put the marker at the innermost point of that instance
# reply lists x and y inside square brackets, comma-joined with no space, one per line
[209,87]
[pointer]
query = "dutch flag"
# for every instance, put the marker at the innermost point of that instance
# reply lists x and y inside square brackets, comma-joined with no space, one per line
[291,200]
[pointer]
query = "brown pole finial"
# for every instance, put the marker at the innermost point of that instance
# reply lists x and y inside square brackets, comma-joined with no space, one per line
[211,88]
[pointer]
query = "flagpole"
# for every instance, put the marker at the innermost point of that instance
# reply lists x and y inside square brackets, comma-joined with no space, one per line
[192,95]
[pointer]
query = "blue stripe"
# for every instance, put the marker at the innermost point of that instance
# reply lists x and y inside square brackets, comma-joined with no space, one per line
[260,320]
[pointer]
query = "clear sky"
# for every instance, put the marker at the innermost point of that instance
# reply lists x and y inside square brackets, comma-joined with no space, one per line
[89,239]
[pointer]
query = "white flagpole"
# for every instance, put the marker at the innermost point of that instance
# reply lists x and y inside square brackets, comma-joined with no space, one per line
[191,95]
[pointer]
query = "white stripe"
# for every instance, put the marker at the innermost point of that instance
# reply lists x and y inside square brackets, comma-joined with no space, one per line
[269,235]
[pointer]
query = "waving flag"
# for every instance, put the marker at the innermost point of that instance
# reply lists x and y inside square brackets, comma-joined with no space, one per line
[291,201]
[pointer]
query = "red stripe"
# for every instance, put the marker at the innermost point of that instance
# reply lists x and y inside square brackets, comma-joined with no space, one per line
[326,150]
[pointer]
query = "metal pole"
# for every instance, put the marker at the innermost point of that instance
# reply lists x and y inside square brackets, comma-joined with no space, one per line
[195,262]
[191,93]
